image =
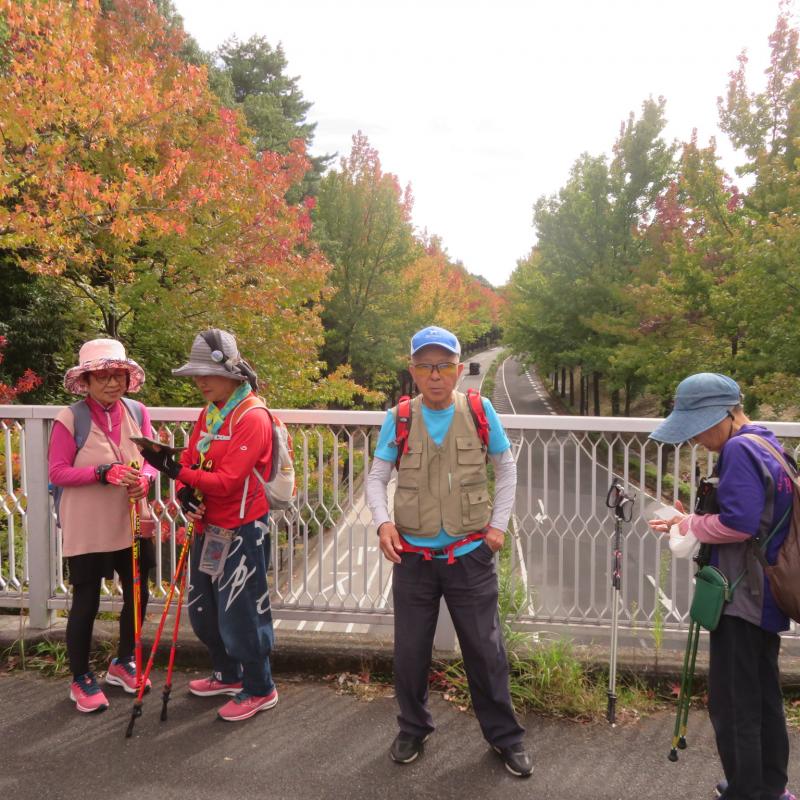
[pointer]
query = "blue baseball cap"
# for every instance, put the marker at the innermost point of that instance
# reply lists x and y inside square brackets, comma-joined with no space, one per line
[701,401]
[435,336]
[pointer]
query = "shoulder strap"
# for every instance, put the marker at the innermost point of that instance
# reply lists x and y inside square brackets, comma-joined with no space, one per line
[135,409]
[475,403]
[779,457]
[82,422]
[402,425]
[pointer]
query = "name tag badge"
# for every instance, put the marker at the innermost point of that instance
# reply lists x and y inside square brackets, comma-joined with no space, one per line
[216,545]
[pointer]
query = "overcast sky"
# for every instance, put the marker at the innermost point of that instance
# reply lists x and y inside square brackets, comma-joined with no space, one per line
[483,106]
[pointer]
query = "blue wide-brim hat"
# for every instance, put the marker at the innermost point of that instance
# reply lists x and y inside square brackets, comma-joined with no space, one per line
[701,401]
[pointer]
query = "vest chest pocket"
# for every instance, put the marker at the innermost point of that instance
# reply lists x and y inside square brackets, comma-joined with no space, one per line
[412,459]
[406,508]
[470,451]
[474,505]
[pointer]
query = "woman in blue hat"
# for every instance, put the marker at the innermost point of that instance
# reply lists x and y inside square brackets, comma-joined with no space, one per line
[753,497]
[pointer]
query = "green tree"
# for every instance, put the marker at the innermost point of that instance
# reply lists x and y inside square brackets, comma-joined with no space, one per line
[252,77]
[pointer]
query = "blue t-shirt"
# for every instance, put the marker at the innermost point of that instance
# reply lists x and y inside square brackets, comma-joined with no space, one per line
[742,498]
[437,423]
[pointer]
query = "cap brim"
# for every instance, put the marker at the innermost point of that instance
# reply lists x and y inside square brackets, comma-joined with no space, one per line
[436,344]
[680,426]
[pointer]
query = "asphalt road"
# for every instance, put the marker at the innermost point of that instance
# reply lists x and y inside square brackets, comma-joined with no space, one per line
[318,745]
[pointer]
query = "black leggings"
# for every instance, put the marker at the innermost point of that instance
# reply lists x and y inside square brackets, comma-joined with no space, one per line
[86,602]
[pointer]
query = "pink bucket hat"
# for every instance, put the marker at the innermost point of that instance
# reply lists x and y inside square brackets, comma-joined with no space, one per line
[100,354]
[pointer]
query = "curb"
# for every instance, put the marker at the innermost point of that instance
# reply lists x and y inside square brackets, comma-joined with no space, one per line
[321,654]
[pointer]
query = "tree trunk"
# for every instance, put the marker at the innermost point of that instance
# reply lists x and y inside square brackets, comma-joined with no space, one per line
[627,398]
[563,381]
[615,402]
[555,378]
[571,388]
[596,392]
[582,398]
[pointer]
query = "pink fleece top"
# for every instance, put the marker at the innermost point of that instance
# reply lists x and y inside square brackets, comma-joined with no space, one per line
[708,528]
[95,518]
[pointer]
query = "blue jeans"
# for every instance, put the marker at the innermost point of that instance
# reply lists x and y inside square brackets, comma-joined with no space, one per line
[231,614]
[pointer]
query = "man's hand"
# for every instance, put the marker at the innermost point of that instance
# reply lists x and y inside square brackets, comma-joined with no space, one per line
[495,538]
[390,542]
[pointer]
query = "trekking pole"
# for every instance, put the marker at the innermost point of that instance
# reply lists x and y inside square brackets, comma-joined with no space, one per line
[685,693]
[168,683]
[622,503]
[136,533]
[136,712]
[176,627]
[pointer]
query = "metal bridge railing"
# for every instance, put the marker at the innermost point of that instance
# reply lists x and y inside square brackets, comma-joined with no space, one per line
[325,561]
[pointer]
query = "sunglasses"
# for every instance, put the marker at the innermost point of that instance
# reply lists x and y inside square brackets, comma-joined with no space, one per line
[447,369]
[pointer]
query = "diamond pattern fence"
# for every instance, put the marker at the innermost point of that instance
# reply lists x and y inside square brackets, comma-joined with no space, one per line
[325,562]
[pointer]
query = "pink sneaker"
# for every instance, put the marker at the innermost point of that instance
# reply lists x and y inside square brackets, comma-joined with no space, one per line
[244,706]
[123,673]
[208,687]
[87,695]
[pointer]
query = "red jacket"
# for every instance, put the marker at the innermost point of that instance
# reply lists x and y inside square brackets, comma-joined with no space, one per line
[233,460]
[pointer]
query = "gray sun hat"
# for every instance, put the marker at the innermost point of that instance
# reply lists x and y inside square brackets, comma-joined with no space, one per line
[214,352]
[701,401]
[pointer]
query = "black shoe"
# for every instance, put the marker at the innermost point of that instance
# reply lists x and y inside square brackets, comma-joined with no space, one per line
[517,759]
[406,747]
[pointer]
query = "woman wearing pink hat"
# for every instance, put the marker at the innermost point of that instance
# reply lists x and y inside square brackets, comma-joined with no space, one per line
[89,457]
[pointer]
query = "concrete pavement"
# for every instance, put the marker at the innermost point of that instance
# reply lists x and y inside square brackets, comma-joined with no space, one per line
[316,744]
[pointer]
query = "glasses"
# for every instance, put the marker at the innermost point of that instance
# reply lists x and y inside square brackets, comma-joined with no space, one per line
[104,378]
[447,369]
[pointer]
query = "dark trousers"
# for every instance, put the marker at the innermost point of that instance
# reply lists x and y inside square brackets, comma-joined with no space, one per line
[86,572]
[469,587]
[231,614]
[746,710]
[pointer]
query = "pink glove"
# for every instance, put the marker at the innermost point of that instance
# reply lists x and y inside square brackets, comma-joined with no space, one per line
[112,473]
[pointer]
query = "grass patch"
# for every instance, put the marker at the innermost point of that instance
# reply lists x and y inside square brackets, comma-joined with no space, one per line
[487,387]
[49,657]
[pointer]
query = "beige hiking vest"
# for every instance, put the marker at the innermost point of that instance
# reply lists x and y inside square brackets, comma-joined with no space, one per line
[442,487]
[96,518]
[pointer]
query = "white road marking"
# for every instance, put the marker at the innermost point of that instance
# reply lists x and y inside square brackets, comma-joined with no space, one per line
[505,387]
[663,599]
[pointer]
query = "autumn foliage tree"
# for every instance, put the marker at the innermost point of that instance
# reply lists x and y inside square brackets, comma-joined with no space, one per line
[121,175]
[27,382]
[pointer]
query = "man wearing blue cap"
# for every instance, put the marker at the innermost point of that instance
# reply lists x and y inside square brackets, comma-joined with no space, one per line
[442,543]
[754,497]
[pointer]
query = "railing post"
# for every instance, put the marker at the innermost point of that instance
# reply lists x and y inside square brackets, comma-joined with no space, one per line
[445,636]
[37,512]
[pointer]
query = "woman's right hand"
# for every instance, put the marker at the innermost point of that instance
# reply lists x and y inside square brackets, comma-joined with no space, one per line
[665,525]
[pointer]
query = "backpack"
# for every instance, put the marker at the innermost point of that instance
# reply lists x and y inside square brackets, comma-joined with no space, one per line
[784,574]
[279,481]
[403,423]
[279,485]
[82,423]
